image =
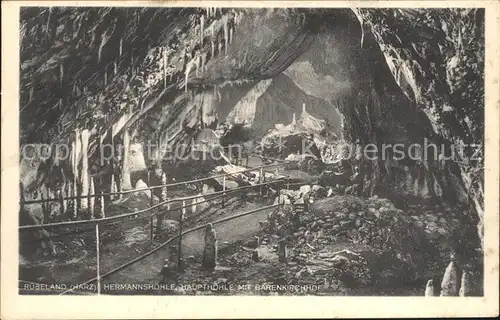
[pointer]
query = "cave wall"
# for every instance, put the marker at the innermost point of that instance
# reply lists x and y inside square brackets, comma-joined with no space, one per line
[396,77]
[437,58]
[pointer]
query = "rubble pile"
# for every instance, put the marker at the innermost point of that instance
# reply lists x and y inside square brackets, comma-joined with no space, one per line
[378,242]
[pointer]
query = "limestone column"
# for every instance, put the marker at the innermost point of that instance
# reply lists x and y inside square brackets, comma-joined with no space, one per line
[210,250]
[126,183]
[84,177]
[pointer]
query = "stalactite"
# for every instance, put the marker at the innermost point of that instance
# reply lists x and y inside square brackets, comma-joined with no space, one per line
[106,76]
[220,47]
[226,32]
[76,147]
[84,177]
[126,183]
[115,69]
[208,11]
[31,94]
[120,47]
[61,75]
[198,63]
[230,34]
[202,22]
[165,65]
[203,60]
[186,80]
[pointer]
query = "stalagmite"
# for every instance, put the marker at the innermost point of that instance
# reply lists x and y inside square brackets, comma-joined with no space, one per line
[31,93]
[62,203]
[106,76]
[121,47]
[226,32]
[202,27]
[255,256]
[194,205]
[115,68]
[113,184]
[294,120]
[219,47]
[230,35]
[126,183]
[84,178]
[210,249]
[429,288]
[465,285]
[449,285]
[91,198]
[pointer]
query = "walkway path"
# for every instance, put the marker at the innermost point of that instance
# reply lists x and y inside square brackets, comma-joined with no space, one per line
[148,269]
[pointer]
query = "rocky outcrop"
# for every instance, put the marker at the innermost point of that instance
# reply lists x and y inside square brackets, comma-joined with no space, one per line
[437,58]
[396,245]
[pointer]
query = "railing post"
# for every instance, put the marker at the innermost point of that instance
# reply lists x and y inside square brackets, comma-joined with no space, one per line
[163,198]
[164,189]
[75,200]
[282,251]
[279,195]
[44,209]
[261,179]
[91,198]
[98,267]
[223,191]
[151,231]
[21,194]
[179,249]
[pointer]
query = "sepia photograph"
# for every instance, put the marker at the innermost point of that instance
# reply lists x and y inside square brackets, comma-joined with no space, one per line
[251,151]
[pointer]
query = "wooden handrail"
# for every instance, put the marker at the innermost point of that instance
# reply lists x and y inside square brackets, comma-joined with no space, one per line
[125,215]
[168,242]
[149,188]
